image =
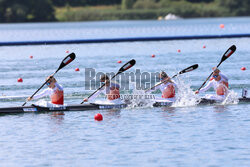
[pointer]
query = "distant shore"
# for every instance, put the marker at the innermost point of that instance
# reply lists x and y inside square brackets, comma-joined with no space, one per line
[87,10]
[114,12]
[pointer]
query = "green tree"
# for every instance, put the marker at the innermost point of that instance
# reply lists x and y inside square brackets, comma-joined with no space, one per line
[127,4]
[199,1]
[145,4]
[41,10]
[239,8]
[16,13]
[26,10]
[61,3]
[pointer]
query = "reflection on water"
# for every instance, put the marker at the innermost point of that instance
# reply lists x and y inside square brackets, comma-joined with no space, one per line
[57,117]
[168,109]
[168,112]
[113,113]
[220,108]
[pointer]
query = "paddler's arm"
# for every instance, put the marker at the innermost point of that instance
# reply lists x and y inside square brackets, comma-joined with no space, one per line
[94,95]
[153,89]
[208,86]
[58,86]
[224,77]
[42,94]
[174,83]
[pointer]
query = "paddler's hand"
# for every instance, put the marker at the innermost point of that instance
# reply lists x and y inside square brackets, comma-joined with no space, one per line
[51,78]
[29,98]
[196,92]
[166,80]
[85,100]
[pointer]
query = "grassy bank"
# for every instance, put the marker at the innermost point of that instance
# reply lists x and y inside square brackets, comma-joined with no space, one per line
[115,13]
[85,10]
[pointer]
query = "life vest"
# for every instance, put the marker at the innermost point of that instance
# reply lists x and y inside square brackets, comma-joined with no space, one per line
[57,97]
[114,93]
[169,91]
[222,88]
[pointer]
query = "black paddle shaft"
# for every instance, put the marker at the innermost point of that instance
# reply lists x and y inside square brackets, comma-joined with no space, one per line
[68,59]
[191,68]
[226,55]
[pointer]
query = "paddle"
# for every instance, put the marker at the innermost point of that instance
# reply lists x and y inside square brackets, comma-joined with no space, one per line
[226,55]
[191,68]
[125,67]
[65,62]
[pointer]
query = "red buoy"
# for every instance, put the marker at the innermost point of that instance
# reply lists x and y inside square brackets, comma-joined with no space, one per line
[243,68]
[204,46]
[179,50]
[119,61]
[153,56]
[98,117]
[222,25]
[67,51]
[31,57]
[19,80]
[77,69]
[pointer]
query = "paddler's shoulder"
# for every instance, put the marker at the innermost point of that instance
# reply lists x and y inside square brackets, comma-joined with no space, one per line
[114,84]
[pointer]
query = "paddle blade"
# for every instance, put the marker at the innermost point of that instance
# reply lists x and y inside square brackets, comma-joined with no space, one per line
[228,53]
[67,60]
[191,68]
[127,66]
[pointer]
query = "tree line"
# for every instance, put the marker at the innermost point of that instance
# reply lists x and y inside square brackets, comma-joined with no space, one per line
[26,10]
[60,3]
[44,10]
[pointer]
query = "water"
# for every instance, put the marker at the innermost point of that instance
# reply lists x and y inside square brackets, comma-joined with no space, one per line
[120,29]
[213,135]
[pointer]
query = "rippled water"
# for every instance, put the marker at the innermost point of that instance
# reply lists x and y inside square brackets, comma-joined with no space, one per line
[212,135]
[123,29]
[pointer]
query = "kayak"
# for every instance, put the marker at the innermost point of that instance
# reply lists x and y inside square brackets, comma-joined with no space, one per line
[92,106]
[73,107]
[203,101]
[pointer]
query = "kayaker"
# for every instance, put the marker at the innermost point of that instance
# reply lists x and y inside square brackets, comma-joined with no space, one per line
[111,90]
[216,71]
[54,90]
[167,88]
[220,84]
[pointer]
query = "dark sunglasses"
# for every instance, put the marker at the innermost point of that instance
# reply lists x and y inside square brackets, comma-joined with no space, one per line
[161,79]
[48,83]
[215,76]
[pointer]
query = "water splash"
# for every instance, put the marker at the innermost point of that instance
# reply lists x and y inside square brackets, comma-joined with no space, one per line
[140,98]
[232,98]
[185,96]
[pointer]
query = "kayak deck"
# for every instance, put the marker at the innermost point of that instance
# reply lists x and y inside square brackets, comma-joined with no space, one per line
[73,107]
[208,101]
[202,102]
[92,106]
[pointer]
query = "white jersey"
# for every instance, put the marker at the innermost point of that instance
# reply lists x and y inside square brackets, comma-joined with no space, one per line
[213,83]
[56,94]
[224,77]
